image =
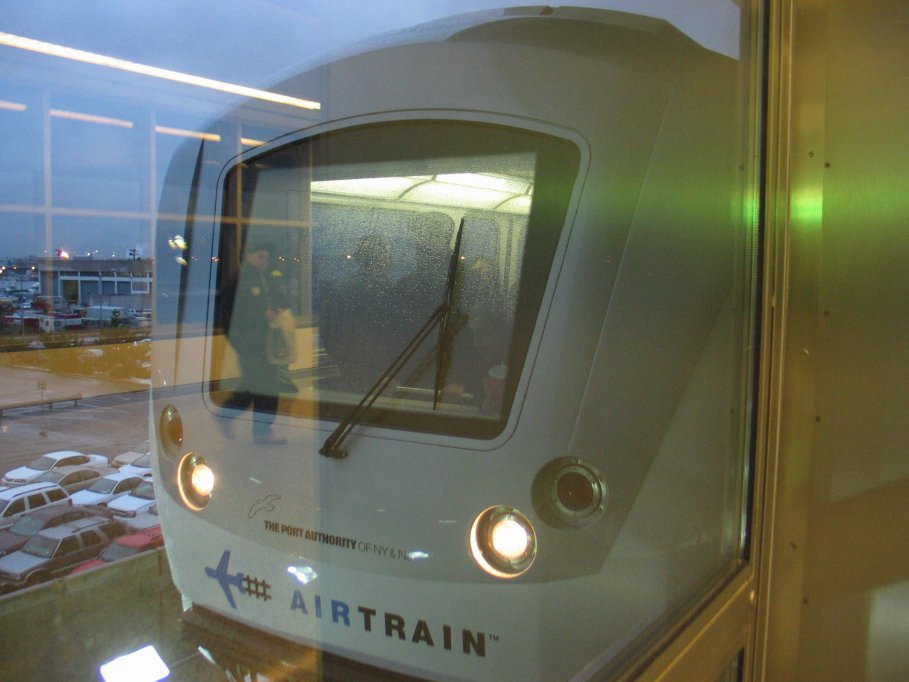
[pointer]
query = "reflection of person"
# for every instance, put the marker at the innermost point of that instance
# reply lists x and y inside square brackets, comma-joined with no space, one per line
[282,348]
[356,320]
[490,327]
[420,291]
[249,304]
[282,345]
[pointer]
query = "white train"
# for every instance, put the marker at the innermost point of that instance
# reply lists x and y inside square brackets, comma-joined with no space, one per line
[516,256]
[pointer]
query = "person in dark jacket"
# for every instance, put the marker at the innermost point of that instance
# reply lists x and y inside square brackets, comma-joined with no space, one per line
[250,307]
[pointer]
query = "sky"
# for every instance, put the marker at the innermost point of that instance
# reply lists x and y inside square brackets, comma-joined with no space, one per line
[246,42]
[202,36]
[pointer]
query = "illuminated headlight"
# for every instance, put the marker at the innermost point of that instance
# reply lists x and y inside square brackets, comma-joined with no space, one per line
[170,430]
[503,542]
[195,480]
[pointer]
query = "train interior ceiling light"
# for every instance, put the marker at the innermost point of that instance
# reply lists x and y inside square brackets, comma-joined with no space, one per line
[494,192]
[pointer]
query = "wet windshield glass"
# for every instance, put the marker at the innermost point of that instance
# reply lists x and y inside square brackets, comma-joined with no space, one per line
[341,255]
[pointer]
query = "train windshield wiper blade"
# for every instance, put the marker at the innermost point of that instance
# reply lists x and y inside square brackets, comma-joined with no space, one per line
[332,445]
[446,331]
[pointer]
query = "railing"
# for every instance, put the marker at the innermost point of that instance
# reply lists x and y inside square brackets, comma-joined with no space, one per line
[49,401]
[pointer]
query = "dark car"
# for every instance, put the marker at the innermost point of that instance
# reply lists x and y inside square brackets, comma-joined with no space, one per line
[56,551]
[14,537]
[126,546]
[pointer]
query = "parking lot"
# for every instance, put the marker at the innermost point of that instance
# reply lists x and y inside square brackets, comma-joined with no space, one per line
[110,418]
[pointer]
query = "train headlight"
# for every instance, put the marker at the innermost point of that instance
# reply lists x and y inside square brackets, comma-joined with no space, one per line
[510,540]
[170,430]
[195,481]
[503,542]
[202,480]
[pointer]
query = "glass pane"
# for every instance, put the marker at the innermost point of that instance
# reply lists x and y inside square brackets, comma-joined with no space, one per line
[21,170]
[410,268]
[100,157]
[735,671]
[447,358]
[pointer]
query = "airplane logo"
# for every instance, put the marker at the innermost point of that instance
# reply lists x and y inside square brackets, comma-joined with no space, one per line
[225,579]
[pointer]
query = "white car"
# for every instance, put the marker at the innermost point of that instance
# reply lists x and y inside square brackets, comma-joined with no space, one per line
[106,489]
[139,467]
[143,521]
[130,456]
[18,500]
[139,501]
[52,460]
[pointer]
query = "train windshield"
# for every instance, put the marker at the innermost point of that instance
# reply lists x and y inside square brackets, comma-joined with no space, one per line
[411,255]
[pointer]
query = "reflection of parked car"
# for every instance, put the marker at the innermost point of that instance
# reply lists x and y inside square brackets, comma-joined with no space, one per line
[126,546]
[143,521]
[16,501]
[140,466]
[107,488]
[14,537]
[129,456]
[136,502]
[55,551]
[73,478]
[52,460]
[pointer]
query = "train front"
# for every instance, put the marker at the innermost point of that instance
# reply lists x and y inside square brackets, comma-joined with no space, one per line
[431,355]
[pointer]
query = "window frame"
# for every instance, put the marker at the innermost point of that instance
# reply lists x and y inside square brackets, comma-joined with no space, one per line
[547,137]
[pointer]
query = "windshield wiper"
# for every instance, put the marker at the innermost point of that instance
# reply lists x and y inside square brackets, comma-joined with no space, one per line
[332,445]
[447,329]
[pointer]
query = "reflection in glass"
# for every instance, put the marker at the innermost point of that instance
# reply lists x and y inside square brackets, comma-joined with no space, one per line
[360,255]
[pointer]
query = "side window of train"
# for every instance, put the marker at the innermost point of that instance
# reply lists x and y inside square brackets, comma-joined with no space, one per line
[422,246]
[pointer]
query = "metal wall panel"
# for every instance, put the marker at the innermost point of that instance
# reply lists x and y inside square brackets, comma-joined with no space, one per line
[836,581]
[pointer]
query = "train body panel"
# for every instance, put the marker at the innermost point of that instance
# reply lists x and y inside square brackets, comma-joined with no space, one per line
[611,425]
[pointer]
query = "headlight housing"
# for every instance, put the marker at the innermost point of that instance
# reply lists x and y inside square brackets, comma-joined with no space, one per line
[503,542]
[569,493]
[195,481]
[170,431]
